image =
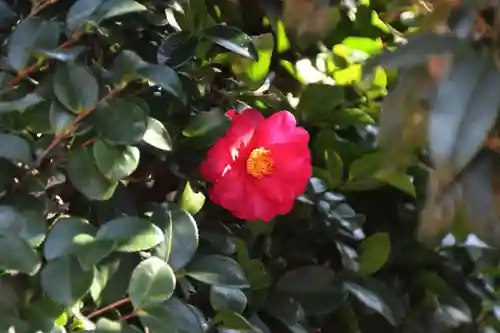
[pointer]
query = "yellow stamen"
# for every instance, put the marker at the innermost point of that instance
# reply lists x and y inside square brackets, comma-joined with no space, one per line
[260,163]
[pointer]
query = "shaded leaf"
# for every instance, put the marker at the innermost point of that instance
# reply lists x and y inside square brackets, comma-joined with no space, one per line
[181,236]
[86,178]
[227,299]
[376,296]
[217,270]
[15,149]
[314,287]
[17,256]
[75,87]
[59,242]
[65,281]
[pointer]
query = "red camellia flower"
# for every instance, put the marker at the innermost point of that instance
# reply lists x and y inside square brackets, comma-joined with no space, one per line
[260,166]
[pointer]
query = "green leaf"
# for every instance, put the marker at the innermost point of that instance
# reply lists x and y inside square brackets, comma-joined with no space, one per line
[191,201]
[15,149]
[21,104]
[227,299]
[115,162]
[398,180]
[376,296]
[233,321]
[217,270]
[181,236]
[157,135]
[75,87]
[121,121]
[113,8]
[59,118]
[60,240]
[28,34]
[314,287]
[90,251]
[7,15]
[206,122]
[86,178]
[365,166]
[132,233]
[164,77]
[233,40]
[80,13]
[65,281]
[105,325]
[318,100]
[28,224]
[185,318]
[17,256]
[375,251]
[152,281]
[335,168]
[255,72]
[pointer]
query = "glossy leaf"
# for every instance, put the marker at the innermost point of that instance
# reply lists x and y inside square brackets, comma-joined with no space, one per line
[233,40]
[115,162]
[217,270]
[131,233]
[152,281]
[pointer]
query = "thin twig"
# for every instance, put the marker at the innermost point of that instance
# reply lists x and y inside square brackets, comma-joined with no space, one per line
[33,68]
[109,307]
[130,315]
[41,6]
[71,126]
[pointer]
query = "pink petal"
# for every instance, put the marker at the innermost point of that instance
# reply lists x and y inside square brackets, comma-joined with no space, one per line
[281,127]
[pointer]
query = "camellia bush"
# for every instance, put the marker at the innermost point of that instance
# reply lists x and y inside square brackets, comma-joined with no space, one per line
[233,166]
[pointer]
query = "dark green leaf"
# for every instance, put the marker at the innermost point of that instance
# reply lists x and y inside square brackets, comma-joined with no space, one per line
[7,15]
[132,233]
[181,236]
[318,100]
[17,256]
[376,296]
[115,162]
[375,252]
[206,122]
[60,240]
[398,180]
[314,287]
[86,178]
[227,299]
[21,104]
[15,149]
[59,118]
[121,121]
[233,321]
[80,13]
[105,325]
[157,135]
[232,39]
[65,281]
[217,270]
[113,8]
[152,281]
[28,224]
[164,77]
[75,87]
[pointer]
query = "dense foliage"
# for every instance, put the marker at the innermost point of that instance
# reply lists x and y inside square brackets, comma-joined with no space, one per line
[108,108]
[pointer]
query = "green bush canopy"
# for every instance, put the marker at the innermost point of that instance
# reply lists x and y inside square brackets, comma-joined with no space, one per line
[264,166]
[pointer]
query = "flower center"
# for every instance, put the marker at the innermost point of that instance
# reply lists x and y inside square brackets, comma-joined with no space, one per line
[260,163]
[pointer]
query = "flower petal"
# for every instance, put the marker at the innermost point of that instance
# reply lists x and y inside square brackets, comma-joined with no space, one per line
[281,127]
[218,158]
[243,125]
